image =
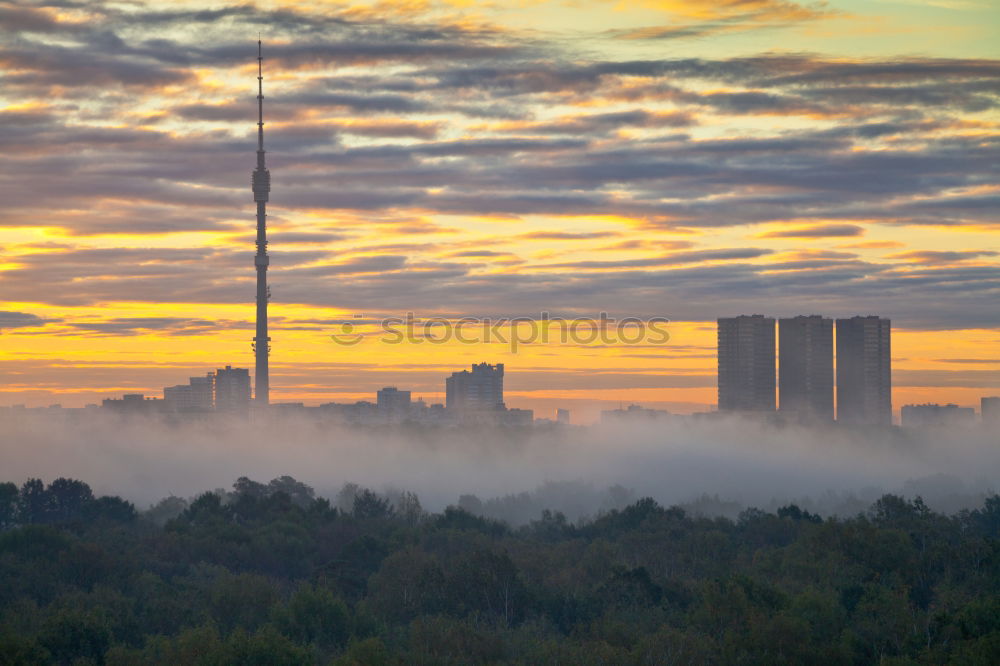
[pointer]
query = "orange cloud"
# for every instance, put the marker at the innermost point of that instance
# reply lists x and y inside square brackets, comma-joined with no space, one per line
[713,10]
[716,16]
[870,245]
[816,231]
[941,256]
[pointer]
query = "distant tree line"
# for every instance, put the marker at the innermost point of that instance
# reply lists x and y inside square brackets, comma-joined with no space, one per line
[269,573]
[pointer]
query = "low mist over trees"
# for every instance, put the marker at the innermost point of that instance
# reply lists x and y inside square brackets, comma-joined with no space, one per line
[269,573]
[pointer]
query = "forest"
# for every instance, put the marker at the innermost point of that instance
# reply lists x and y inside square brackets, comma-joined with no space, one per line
[269,573]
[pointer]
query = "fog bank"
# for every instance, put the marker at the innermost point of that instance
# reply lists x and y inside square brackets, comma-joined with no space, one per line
[734,461]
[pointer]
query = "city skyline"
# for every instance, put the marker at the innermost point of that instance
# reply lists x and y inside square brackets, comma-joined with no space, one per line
[475,397]
[689,185]
[786,379]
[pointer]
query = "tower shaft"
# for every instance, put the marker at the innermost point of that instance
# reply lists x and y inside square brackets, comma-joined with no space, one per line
[261,184]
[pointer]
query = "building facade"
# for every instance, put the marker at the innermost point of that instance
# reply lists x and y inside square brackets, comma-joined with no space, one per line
[518,417]
[198,395]
[633,414]
[133,403]
[476,390]
[232,390]
[921,416]
[989,411]
[746,363]
[864,371]
[805,368]
[393,404]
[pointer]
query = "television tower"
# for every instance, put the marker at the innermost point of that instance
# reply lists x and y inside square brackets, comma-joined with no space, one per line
[261,181]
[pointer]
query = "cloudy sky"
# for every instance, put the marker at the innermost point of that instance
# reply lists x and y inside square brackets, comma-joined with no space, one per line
[685,159]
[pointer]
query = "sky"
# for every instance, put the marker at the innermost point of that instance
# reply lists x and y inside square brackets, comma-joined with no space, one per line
[665,158]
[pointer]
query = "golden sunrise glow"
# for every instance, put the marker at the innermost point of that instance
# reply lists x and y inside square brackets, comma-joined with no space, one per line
[677,158]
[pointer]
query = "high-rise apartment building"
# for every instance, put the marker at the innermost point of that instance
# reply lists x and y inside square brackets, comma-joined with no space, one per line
[478,390]
[746,363]
[195,396]
[805,367]
[232,390]
[864,371]
[393,404]
[989,411]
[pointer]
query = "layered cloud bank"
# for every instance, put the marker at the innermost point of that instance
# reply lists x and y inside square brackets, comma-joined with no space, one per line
[456,163]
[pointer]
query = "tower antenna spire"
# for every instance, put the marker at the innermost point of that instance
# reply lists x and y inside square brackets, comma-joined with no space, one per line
[261,185]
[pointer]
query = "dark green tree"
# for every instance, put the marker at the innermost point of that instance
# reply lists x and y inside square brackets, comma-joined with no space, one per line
[314,616]
[33,502]
[369,506]
[71,635]
[67,499]
[8,505]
